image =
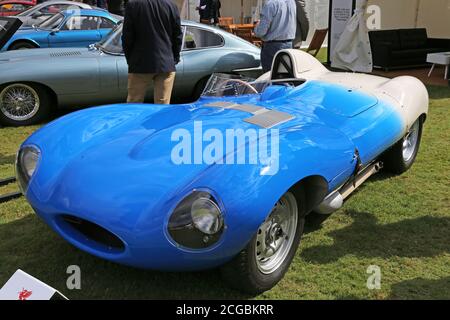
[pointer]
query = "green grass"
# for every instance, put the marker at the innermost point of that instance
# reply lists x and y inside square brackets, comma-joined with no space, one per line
[400,223]
[322,55]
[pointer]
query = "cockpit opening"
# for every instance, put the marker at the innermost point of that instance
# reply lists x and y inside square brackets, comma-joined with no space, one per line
[226,85]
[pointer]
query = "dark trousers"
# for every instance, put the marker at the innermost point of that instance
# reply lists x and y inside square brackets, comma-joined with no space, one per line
[101,4]
[269,50]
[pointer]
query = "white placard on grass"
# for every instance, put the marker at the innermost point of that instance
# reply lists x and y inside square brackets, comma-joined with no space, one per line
[22,286]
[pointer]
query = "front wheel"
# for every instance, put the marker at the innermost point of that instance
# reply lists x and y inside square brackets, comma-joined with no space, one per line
[23,104]
[267,257]
[402,155]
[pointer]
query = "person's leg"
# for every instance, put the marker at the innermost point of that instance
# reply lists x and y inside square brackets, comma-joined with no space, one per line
[286,45]
[138,84]
[267,56]
[163,87]
[269,52]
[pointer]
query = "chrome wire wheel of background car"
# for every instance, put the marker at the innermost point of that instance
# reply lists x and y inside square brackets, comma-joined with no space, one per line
[276,235]
[19,102]
[268,255]
[400,157]
[23,104]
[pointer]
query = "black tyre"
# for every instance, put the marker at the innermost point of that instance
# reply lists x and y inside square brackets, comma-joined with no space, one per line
[24,104]
[199,87]
[314,221]
[22,45]
[402,155]
[268,255]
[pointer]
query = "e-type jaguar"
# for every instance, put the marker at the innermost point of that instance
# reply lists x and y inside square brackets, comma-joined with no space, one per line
[105,179]
[33,83]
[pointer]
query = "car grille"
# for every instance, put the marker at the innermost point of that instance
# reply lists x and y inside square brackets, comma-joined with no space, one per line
[91,234]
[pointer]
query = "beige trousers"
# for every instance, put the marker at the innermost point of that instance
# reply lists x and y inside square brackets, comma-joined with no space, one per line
[138,84]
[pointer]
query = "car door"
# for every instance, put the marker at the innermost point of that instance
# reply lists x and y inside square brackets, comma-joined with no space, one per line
[76,31]
[202,50]
[122,75]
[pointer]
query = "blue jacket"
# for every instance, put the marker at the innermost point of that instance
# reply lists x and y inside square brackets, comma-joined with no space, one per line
[278,21]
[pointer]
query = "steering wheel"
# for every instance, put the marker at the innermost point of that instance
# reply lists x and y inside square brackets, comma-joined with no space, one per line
[248,85]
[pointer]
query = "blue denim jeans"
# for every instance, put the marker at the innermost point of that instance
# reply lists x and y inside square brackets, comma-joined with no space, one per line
[269,51]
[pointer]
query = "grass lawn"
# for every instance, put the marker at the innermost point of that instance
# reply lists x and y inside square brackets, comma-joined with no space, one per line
[399,223]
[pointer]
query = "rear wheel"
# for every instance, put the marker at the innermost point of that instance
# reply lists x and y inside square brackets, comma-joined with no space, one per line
[22,45]
[23,104]
[199,87]
[402,155]
[267,257]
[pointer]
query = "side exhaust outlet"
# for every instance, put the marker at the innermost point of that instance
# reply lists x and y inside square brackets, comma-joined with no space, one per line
[335,200]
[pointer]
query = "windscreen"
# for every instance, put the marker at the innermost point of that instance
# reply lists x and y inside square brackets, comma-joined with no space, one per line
[52,22]
[112,43]
[224,85]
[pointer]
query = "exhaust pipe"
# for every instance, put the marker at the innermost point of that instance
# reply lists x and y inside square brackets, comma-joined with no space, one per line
[335,200]
[365,174]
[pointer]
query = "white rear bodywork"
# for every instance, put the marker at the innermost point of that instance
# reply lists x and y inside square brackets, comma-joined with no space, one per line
[408,95]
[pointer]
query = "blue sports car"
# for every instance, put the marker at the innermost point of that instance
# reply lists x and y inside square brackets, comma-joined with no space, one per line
[225,181]
[69,28]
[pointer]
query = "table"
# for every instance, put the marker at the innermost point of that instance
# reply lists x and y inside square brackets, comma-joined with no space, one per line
[244,31]
[250,26]
[440,58]
[233,26]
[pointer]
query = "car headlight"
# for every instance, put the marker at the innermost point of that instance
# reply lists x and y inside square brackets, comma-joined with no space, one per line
[206,216]
[197,221]
[26,164]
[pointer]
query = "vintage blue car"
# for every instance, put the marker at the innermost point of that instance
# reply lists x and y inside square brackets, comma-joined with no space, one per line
[69,28]
[225,181]
[45,10]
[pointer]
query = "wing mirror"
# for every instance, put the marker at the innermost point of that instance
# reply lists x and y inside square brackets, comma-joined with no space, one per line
[54,31]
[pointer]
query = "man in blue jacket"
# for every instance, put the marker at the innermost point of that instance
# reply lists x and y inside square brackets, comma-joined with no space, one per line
[151,40]
[277,28]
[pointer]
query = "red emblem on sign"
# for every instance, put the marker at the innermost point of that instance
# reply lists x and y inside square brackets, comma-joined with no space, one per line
[24,294]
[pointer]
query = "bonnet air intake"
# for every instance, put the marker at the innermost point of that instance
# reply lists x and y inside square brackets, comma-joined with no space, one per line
[65,54]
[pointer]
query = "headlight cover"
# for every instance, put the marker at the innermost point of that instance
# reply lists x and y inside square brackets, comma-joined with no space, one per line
[26,164]
[206,216]
[197,221]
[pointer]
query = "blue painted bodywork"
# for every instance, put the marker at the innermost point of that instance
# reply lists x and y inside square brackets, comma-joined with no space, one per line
[60,38]
[111,165]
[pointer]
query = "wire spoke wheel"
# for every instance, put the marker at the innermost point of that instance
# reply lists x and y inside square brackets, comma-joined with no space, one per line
[19,102]
[410,142]
[269,253]
[276,235]
[402,155]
